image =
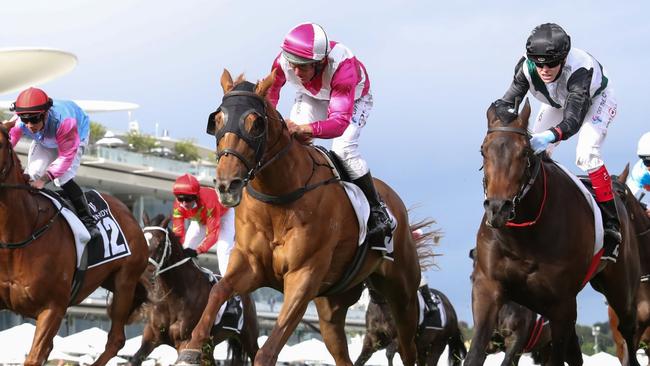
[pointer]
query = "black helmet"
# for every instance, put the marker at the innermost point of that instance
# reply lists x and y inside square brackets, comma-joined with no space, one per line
[548,43]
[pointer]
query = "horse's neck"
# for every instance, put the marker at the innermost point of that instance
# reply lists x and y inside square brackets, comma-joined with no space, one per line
[183,277]
[18,207]
[284,174]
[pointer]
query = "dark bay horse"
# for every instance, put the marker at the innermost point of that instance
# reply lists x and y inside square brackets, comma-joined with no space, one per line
[535,246]
[641,224]
[177,298]
[38,261]
[518,330]
[381,333]
[304,238]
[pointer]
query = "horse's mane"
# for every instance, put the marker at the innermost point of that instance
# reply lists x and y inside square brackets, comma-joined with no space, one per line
[14,156]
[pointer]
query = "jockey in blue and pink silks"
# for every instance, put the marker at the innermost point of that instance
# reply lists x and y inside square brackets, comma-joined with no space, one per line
[60,131]
[333,102]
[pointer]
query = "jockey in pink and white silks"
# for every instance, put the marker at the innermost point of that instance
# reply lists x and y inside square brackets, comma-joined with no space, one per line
[576,98]
[59,130]
[333,102]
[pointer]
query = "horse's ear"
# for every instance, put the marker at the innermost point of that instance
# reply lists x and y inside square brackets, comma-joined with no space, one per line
[525,114]
[145,219]
[226,81]
[166,221]
[264,84]
[491,115]
[623,176]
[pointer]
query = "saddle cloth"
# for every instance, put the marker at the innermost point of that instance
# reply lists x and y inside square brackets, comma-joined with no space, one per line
[361,206]
[233,308]
[598,219]
[113,244]
[441,312]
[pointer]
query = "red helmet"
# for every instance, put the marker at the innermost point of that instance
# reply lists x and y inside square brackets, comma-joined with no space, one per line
[186,184]
[306,43]
[32,100]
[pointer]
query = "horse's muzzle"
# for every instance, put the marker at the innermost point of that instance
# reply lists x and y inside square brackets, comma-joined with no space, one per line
[229,191]
[498,212]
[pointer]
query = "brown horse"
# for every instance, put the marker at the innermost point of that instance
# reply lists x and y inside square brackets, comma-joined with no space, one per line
[381,333]
[641,224]
[38,261]
[519,330]
[179,294]
[303,239]
[535,245]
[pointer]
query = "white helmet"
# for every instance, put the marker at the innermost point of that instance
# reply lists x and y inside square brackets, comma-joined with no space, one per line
[644,145]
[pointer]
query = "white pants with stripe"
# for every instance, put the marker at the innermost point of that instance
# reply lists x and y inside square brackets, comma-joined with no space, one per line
[225,242]
[593,132]
[307,109]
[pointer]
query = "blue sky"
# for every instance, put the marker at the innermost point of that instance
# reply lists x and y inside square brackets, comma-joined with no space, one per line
[434,68]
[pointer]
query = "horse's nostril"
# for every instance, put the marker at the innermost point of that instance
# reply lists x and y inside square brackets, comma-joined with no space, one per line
[486,204]
[236,184]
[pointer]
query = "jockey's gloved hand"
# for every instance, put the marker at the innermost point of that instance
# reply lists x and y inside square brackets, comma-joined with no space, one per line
[189,252]
[505,111]
[540,141]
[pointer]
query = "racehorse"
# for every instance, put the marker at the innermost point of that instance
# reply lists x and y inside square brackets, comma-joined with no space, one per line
[300,234]
[535,245]
[38,261]
[641,224]
[381,333]
[178,296]
[518,330]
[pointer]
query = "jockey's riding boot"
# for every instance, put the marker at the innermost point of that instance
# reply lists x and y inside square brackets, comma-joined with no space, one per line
[78,200]
[428,300]
[379,223]
[612,227]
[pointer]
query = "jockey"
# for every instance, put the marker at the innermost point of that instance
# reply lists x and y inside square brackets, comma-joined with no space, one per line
[576,99]
[333,102]
[59,130]
[210,222]
[639,178]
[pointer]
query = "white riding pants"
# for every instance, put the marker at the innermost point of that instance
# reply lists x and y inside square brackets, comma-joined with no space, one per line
[196,233]
[40,157]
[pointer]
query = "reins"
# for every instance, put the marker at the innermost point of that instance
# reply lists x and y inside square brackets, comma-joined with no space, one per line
[159,269]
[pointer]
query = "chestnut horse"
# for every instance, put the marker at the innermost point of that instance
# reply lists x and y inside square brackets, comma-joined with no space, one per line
[177,298]
[38,261]
[641,224]
[535,246]
[517,332]
[304,242]
[381,333]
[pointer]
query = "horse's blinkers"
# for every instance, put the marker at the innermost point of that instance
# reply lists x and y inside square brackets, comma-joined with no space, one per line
[236,106]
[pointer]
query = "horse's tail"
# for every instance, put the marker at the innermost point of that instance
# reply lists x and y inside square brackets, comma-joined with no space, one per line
[425,238]
[236,354]
[457,349]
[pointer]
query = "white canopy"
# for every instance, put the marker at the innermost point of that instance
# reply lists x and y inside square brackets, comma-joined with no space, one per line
[24,67]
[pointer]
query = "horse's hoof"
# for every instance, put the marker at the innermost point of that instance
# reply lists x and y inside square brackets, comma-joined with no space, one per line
[189,357]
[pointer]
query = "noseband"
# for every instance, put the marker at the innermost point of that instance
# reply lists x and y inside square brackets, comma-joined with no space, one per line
[167,251]
[533,166]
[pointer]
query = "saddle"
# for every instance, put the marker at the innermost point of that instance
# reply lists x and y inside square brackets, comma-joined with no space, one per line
[432,314]
[340,170]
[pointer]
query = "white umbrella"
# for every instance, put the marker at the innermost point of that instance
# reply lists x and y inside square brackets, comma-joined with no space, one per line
[58,355]
[110,140]
[87,342]
[220,351]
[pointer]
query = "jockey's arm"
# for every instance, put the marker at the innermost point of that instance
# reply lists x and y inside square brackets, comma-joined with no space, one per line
[67,140]
[577,104]
[178,223]
[211,232]
[519,86]
[341,105]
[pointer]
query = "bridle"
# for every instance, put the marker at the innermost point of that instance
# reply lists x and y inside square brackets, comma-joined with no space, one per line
[236,105]
[533,166]
[167,251]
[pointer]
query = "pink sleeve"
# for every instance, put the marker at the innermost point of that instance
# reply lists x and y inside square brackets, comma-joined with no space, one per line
[339,111]
[273,94]
[15,134]
[67,138]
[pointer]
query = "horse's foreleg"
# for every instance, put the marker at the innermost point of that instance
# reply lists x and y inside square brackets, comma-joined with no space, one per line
[299,288]
[486,302]
[367,349]
[119,312]
[331,315]
[514,346]
[146,346]
[47,325]
[563,336]
[391,349]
